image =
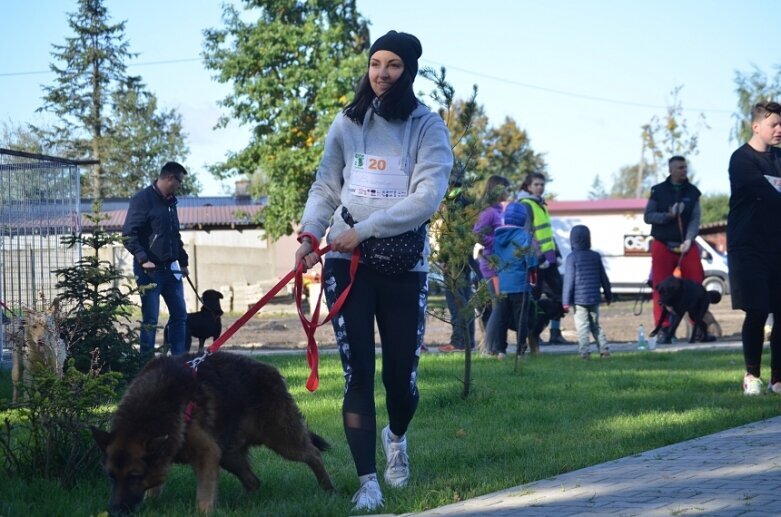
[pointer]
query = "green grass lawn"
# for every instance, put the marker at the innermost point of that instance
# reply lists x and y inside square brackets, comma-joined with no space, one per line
[557,414]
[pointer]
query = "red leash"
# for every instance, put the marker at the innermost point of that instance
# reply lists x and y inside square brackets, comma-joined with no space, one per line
[309,326]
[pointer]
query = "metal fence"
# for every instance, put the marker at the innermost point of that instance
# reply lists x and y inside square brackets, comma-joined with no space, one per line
[39,203]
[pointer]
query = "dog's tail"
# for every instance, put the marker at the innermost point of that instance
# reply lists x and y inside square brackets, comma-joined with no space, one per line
[319,442]
[714,296]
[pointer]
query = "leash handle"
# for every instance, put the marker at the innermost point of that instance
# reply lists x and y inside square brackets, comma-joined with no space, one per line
[310,326]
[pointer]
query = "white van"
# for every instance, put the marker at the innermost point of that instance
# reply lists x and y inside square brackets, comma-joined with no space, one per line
[625,246]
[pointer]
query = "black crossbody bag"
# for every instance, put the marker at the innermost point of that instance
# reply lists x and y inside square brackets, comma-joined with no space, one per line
[391,255]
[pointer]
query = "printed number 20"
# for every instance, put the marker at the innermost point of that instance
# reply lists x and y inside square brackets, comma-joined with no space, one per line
[377,165]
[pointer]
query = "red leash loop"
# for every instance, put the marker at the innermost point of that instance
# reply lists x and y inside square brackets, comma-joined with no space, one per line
[310,326]
[255,308]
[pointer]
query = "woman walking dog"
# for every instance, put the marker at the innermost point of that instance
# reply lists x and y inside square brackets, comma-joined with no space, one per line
[383,174]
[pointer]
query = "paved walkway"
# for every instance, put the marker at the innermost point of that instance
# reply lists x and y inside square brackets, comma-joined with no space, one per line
[730,473]
[736,472]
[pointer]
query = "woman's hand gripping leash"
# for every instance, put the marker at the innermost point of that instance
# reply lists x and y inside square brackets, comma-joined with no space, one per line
[307,256]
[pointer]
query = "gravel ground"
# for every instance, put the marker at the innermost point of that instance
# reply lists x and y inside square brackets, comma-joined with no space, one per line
[277,326]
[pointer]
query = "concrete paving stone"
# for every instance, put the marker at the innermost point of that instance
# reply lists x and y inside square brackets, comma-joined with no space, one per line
[763,501]
[734,472]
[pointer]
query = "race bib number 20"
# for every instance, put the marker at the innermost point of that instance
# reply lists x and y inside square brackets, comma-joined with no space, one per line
[377,177]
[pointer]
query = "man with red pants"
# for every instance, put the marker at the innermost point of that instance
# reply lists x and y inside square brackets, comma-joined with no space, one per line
[673,211]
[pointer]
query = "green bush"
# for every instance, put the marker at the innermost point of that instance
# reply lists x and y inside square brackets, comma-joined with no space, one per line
[47,436]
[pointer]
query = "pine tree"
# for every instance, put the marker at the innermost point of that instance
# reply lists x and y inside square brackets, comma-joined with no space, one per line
[97,323]
[87,99]
[597,190]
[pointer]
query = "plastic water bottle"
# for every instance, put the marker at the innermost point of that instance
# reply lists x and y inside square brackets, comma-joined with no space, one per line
[641,337]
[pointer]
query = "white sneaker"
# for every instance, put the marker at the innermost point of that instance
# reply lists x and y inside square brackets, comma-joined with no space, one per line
[774,388]
[397,470]
[752,385]
[368,497]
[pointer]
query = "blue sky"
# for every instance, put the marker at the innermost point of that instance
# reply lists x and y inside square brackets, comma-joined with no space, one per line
[580,77]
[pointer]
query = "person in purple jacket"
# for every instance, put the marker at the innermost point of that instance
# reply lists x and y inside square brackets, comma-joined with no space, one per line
[495,197]
[584,275]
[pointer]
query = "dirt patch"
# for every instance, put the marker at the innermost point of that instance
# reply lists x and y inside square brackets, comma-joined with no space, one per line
[282,329]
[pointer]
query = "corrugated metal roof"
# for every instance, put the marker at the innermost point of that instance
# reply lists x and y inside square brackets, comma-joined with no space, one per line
[597,205]
[194,217]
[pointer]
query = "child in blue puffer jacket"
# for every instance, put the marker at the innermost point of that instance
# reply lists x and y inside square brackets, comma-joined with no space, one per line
[516,256]
[584,275]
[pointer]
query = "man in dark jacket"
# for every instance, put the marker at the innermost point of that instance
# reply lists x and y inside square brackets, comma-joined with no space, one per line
[673,211]
[584,275]
[151,234]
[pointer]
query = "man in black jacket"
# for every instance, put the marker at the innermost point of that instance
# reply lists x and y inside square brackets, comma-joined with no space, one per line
[673,211]
[151,234]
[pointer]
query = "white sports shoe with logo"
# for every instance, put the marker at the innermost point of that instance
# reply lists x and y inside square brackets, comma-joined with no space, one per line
[752,385]
[368,497]
[397,469]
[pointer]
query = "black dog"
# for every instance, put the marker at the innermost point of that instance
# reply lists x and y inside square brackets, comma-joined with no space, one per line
[203,324]
[541,312]
[679,296]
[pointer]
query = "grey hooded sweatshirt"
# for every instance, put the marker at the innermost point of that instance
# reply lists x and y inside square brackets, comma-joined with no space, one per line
[421,145]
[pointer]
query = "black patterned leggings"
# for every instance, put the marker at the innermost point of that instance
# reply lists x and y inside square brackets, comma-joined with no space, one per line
[398,303]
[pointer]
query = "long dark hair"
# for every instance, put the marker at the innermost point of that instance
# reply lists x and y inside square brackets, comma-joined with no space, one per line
[397,103]
[495,191]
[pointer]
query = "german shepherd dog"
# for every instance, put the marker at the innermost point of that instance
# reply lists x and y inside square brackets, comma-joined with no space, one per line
[204,324]
[677,296]
[207,419]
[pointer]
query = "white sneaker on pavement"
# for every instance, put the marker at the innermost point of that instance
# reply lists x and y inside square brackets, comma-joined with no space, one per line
[752,385]
[368,497]
[397,469]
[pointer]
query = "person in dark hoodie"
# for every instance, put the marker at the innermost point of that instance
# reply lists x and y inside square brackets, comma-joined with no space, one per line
[151,235]
[754,243]
[584,275]
[516,256]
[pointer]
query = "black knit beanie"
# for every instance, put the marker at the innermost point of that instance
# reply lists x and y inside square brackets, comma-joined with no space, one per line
[404,45]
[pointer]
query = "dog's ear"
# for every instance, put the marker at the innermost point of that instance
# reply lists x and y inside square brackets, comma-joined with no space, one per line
[219,295]
[155,445]
[102,438]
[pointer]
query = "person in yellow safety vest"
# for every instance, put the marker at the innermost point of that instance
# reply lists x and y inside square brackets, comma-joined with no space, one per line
[549,279]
